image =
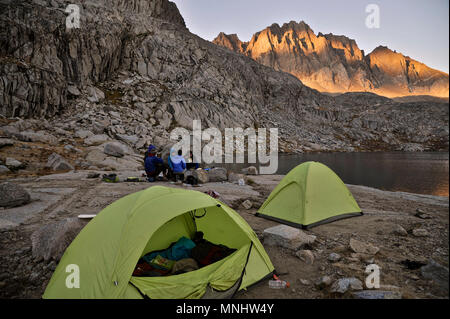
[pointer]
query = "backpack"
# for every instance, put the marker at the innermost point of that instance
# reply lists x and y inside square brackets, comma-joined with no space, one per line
[191,180]
[111,178]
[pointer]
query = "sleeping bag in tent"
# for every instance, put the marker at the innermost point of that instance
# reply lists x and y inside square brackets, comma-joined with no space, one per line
[107,250]
[311,194]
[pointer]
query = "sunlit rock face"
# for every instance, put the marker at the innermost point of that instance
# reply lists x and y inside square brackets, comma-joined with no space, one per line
[133,72]
[335,64]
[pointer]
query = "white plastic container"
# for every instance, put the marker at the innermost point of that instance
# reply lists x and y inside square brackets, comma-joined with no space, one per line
[277,284]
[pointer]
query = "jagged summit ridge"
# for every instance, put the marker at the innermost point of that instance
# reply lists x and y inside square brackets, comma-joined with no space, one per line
[335,63]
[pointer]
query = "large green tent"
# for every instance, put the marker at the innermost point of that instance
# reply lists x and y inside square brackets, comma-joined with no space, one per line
[309,195]
[107,249]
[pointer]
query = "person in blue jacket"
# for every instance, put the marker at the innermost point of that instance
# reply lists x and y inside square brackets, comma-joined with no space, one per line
[178,165]
[154,165]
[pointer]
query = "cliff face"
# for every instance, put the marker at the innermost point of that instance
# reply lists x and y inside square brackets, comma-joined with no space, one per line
[39,57]
[335,64]
[134,70]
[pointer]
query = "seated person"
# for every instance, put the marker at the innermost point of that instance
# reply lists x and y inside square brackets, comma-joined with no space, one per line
[191,164]
[178,165]
[154,165]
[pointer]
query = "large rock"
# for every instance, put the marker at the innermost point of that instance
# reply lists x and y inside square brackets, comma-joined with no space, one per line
[96,139]
[129,139]
[399,230]
[437,273]
[41,136]
[306,256]
[286,236]
[98,158]
[57,163]
[4,169]
[333,257]
[420,232]
[345,284]
[50,241]
[114,149]
[324,282]
[200,174]
[95,95]
[13,164]
[217,174]
[234,178]
[83,134]
[6,142]
[377,294]
[251,170]
[363,248]
[12,195]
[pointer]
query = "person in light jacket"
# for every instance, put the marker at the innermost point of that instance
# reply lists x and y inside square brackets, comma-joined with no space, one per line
[178,166]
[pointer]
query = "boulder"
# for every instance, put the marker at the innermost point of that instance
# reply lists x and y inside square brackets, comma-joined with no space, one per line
[399,230]
[83,134]
[51,240]
[99,159]
[363,248]
[287,237]
[6,142]
[437,273]
[421,214]
[73,90]
[129,139]
[217,174]
[12,195]
[345,284]
[57,163]
[377,294]
[234,178]
[306,256]
[114,149]
[199,174]
[324,282]
[333,257]
[4,169]
[13,164]
[95,95]
[71,148]
[420,232]
[251,170]
[41,136]
[96,139]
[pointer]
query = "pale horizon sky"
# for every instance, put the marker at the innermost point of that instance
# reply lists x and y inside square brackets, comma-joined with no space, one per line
[416,28]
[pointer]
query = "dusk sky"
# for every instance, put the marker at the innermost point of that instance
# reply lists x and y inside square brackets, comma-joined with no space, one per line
[416,28]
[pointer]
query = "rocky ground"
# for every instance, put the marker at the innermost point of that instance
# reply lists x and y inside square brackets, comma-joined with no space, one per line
[406,235]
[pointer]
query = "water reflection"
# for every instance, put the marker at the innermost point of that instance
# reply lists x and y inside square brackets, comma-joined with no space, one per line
[423,173]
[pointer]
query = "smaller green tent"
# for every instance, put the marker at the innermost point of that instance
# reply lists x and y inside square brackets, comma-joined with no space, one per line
[311,194]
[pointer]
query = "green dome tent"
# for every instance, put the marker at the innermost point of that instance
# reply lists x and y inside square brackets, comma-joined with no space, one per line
[309,195]
[107,250]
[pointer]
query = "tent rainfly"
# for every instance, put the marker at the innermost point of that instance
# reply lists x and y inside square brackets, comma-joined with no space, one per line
[107,250]
[311,194]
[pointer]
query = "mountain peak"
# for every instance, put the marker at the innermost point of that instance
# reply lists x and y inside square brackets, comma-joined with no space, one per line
[335,63]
